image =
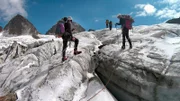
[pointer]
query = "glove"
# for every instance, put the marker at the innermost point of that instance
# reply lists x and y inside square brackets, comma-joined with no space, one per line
[115,24]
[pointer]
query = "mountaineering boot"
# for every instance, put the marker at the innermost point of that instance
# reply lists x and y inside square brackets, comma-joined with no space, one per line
[123,47]
[64,58]
[130,47]
[77,52]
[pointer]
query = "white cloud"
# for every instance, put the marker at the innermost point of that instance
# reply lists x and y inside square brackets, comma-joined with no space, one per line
[172,10]
[149,9]
[141,13]
[170,1]
[145,9]
[167,13]
[141,6]
[114,16]
[9,8]
[96,20]
[131,13]
[169,9]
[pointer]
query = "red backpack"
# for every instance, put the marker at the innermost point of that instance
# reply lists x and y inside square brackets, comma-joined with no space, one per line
[126,21]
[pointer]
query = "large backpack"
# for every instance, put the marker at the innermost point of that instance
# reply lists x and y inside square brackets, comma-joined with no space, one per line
[60,29]
[126,21]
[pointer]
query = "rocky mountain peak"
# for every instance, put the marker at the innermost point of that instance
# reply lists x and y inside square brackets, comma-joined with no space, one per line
[19,25]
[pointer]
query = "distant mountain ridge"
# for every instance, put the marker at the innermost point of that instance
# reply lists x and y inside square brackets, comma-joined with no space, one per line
[19,25]
[175,21]
[77,27]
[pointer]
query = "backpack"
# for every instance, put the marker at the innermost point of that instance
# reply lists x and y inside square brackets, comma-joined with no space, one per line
[107,21]
[60,29]
[122,21]
[126,21]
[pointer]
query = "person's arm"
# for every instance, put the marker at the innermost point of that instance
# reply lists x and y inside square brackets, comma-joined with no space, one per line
[117,24]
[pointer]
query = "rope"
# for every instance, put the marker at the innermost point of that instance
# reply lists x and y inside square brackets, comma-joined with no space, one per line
[103,87]
[117,36]
[99,90]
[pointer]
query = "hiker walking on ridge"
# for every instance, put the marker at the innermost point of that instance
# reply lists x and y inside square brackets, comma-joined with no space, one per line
[110,25]
[1,29]
[67,36]
[126,23]
[107,23]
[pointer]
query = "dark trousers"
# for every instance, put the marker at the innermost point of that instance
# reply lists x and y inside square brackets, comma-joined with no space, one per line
[107,25]
[65,42]
[125,33]
[110,27]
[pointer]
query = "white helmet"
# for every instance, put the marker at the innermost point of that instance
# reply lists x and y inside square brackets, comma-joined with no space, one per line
[119,15]
[70,18]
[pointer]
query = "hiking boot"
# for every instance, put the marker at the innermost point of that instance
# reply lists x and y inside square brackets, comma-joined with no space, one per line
[123,47]
[77,52]
[64,58]
[130,47]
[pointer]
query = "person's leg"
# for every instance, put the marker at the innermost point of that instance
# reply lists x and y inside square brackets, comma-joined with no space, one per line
[124,40]
[129,40]
[64,49]
[75,45]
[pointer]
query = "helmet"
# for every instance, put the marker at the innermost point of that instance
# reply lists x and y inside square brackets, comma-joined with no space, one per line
[119,16]
[69,18]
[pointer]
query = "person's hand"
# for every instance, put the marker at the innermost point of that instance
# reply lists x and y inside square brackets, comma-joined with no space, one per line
[73,29]
[73,38]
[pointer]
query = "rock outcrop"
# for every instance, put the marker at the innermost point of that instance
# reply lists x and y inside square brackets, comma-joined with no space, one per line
[174,21]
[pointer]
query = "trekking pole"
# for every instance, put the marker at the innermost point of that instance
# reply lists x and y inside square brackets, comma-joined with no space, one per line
[117,34]
[132,29]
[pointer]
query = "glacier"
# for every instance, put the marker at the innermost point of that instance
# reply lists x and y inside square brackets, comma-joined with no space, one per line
[32,68]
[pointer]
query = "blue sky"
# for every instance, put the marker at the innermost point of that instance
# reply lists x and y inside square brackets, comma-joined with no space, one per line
[91,14]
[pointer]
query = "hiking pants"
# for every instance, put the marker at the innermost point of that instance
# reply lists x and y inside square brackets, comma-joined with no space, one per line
[110,27]
[107,25]
[65,42]
[125,33]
